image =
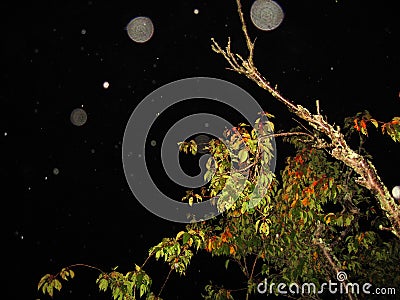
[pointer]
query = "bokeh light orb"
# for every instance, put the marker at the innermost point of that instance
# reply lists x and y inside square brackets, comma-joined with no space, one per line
[266,14]
[78,117]
[396,192]
[140,29]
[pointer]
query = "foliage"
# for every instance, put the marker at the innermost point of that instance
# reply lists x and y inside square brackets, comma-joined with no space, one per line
[273,236]
[312,220]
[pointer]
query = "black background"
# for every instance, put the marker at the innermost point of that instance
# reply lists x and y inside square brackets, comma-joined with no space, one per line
[344,53]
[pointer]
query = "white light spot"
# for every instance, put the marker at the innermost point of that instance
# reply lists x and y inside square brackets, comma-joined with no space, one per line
[396,192]
[83,31]
[56,171]
[153,143]
[106,84]
[45,178]
[196,11]
[5,133]
[206,125]
[331,68]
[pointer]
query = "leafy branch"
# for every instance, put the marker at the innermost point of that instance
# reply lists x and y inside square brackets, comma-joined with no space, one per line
[335,140]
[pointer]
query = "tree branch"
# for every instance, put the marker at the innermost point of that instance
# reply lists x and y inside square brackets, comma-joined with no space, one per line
[368,176]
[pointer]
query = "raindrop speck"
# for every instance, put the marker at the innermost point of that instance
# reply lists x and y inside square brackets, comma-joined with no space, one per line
[56,171]
[153,143]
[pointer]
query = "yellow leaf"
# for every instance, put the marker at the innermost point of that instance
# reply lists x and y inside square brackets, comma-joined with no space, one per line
[375,122]
[180,233]
[293,203]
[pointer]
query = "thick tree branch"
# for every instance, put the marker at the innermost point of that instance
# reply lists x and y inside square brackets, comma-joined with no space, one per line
[368,176]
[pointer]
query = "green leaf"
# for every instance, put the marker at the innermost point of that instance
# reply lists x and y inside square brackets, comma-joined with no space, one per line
[57,284]
[186,237]
[50,290]
[226,263]
[243,155]
[143,289]
[103,284]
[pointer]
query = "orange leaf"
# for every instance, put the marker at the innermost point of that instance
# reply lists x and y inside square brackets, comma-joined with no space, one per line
[209,245]
[363,124]
[305,202]
[293,203]
[356,125]
[232,249]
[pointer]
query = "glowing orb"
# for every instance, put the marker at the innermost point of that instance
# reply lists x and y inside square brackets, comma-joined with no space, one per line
[396,192]
[78,117]
[140,29]
[266,14]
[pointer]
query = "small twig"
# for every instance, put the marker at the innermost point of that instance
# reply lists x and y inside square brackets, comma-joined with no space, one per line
[165,281]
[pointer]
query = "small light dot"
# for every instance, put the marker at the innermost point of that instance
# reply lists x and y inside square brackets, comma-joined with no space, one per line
[106,84]
[56,171]
[331,68]
[196,11]
[206,124]
[83,31]
[45,178]
[153,143]
[5,133]
[92,151]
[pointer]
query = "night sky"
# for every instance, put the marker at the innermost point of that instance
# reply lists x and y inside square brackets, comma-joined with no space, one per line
[65,196]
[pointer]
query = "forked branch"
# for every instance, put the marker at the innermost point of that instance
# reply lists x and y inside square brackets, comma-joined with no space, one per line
[335,140]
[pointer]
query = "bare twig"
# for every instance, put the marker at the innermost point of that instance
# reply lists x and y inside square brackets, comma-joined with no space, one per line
[165,281]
